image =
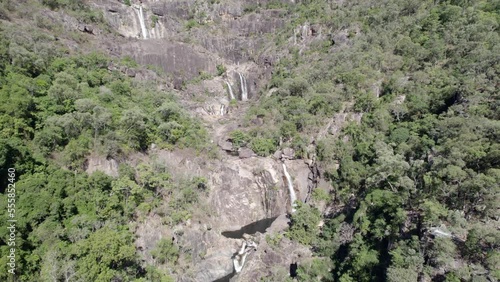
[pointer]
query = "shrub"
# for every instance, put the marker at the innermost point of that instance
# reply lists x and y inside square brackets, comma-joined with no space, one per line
[166,251]
[192,23]
[238,138]
[154,21]
[263,146]
[304,224]
[221,69]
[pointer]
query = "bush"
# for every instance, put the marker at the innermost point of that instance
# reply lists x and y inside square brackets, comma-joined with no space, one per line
[263,146]
[154,21]
[221,69]
[166,251]
[238,138]
[400,135]
[304,224]
[192,23]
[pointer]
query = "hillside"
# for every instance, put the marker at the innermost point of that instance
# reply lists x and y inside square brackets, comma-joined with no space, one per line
[234,140]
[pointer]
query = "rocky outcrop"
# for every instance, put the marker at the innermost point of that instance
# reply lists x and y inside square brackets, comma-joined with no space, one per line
[176,58]
[244,153]
[246,192]
[226,145]
[236,38]
[107,165]
[239,199]
[126,20]
[243,36]
[281,256]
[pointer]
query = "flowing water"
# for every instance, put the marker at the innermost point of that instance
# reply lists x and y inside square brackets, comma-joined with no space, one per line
[293,197]
[143,24]
[244,91]
[231,94]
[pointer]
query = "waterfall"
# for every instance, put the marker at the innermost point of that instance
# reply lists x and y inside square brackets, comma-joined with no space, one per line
[230,91]
[238,265]
[293,197]
[244,92]
[241,256]
[143,24]
[221,110]
[305,31]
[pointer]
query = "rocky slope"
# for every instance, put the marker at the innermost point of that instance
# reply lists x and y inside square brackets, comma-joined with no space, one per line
[248,194]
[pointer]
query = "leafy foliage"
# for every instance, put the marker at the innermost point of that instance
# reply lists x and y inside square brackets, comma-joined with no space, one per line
[423,157]
[58,109]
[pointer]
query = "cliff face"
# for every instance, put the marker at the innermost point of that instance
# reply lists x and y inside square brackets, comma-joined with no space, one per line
[248,194]
[164,33]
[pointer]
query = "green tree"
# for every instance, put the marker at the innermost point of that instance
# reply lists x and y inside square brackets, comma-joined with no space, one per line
[304,224]
[165,252]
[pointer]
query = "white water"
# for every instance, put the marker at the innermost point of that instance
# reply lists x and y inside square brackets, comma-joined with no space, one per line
[143,24]
[293,197]
[244,92]
[244,251]
[230,90]
[221,110]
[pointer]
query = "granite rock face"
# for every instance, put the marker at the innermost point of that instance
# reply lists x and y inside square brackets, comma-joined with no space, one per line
[248,194]
[176,58]
[228,35]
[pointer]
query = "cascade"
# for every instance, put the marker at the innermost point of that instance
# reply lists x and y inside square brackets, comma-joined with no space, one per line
[244,92]
[240,257]
[143,24]
[230,91]
[293,197]
[305,31]
[221,110]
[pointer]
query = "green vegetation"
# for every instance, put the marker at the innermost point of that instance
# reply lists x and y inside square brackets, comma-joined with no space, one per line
[166,251]
[58,108]
[425,76]
[304,224]
[77,8]
[221,69]
[192,23]
[238,138]
[274,240]
[263,146]
[415,179]
[154,20]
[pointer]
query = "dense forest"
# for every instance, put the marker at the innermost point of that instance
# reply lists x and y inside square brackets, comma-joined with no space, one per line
[415,183]
[425,155]
[59,107]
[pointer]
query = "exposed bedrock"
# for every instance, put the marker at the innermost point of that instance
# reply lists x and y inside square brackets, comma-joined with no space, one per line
[252,189]
[176,58]
[227,35]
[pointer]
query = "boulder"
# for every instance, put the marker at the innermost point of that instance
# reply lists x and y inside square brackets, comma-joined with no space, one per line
[277,154]
[258,121]
[289,153]
[244,153]
[226,145]
[131,72]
